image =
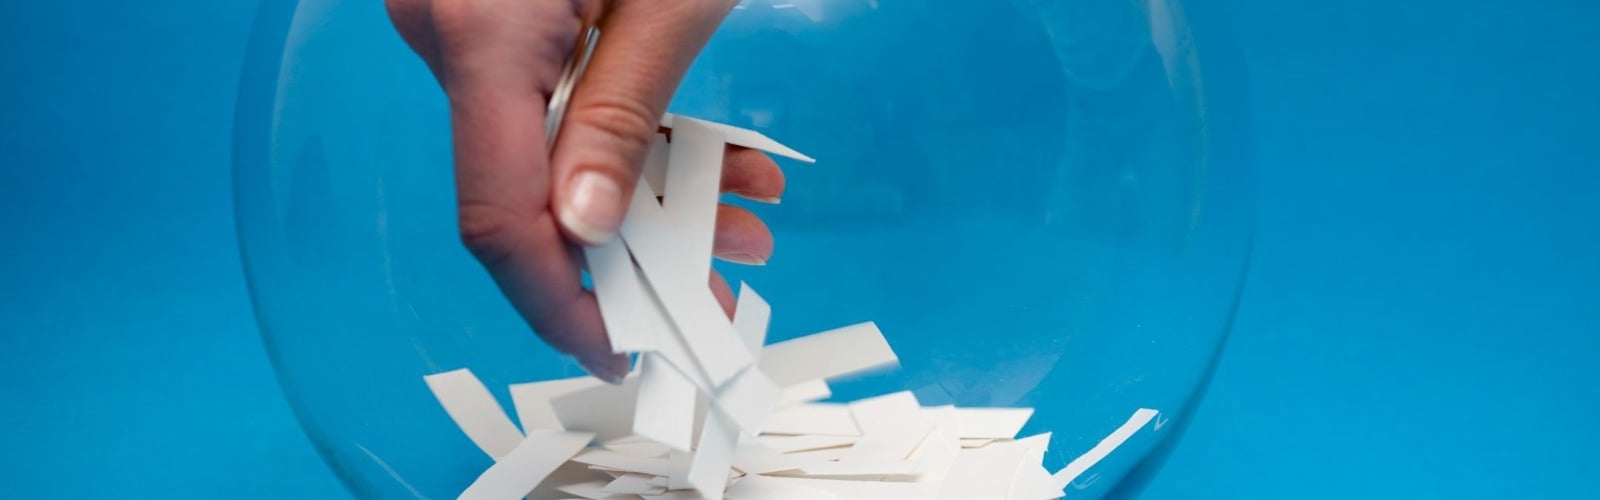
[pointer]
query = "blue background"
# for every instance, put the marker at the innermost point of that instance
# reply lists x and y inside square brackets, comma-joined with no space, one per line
[1422,320]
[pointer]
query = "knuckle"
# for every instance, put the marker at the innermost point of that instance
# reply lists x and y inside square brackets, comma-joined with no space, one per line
[628,121]
[487,231]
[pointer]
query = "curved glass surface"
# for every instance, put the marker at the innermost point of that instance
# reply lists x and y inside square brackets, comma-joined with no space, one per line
[1042,203]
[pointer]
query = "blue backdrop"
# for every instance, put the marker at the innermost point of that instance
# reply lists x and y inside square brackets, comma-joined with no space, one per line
[1422,319]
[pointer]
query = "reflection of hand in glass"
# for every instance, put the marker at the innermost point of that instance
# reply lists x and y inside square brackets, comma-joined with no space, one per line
[522,206]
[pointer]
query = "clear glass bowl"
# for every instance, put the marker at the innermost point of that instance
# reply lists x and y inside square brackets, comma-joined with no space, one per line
[1042,203]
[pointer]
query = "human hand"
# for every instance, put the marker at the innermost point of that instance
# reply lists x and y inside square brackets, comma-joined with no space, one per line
[522,207]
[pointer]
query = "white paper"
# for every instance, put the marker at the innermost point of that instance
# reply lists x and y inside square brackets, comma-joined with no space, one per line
[606,410]
[594,490]
[975,442]
[768,488]
[812,418]
[982,472]
[638,447]
[694,179]
[751,315]
[894,443]
[827,355]
[517,473]
[887,412]
[699,320]
[846,468]
[804,392]
[740,137]
[1033,482]
[713,455]
[936,455]
[992,423]
[748,399]
[868,490]
[635,484]
[1078,465]
[654,170]
[1036,445]
[665,409]
[755,458]
[626,307]
[532,400]
[791,444]
[475,411]
[625,462]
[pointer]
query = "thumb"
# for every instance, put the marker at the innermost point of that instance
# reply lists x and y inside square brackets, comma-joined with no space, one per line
[645,48]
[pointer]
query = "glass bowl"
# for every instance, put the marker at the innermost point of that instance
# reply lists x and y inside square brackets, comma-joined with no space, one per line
[1042,203]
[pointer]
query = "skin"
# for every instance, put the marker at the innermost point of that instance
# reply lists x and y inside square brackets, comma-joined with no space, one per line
[524,209]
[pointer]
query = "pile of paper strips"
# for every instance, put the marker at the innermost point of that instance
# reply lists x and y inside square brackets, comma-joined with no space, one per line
[711,411]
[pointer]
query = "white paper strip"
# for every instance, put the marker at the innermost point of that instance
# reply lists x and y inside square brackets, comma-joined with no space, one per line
[694,178]
[594,490]
[1078,465]
[767,488]
[665,409]
[868,490]
[813,418]
[830,354]
[754,458]
[625,304]
[846,468]
[606,410]
[937,454]
[889,444]
[625,462]
[639,448]
[751,314]
[982,472]
[804,392]
[654,169]
[532,400]
[475,411]
[992,423]
[741,137]
[791,444]
[520,471]
[1033,482]
[699,320]
[748,399]
[636,484]
[887,412]
[713,455]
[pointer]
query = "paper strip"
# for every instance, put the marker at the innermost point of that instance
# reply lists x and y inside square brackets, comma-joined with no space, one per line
[694,178]
[804,392]
[982,472]
[475,411]
[754,458]
[521,470]
[654,169]
[532,400]
[665,409]
[606,410]
[1070,473]
[713,455]
[791,444]
[867,490]
[767,488]
[594,490]
[741,137]
[748,399]
[751,315]
[812,418]
[826,355]
[889,444]
[625,462]
[635,484]
[700,322]
[626,307]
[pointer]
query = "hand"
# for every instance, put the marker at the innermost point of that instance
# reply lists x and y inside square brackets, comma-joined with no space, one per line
[522,207]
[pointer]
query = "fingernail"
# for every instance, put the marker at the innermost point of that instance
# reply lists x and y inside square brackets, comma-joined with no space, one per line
[594,207]
[603,370]
[744,258]
[770,200]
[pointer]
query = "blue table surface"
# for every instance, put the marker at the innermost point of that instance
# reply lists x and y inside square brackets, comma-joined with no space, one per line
[1421,320]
